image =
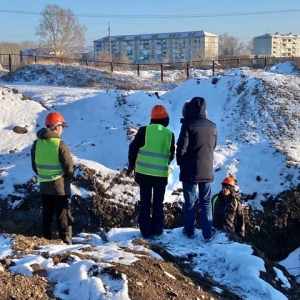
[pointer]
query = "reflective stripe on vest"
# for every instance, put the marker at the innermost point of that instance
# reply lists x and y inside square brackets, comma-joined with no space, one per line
[153,158]
[213,201]
[47,160]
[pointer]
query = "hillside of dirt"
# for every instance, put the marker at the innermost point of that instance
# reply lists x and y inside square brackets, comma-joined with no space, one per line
[276,237]
[273,232]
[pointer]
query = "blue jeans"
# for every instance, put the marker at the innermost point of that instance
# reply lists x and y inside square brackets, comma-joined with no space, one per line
[151,224]
[190,197]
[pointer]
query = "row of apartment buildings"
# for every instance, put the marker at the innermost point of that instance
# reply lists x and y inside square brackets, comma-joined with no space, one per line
[191,45]
[161,47]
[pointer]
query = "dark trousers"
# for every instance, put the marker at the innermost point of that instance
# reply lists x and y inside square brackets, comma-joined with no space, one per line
[58,206]
[151,224]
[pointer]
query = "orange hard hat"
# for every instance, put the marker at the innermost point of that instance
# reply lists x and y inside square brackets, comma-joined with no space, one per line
[55,118]
[159,112]
[229,180]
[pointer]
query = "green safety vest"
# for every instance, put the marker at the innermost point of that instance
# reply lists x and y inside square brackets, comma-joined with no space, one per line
[153,158]
[47,161]
[214,200]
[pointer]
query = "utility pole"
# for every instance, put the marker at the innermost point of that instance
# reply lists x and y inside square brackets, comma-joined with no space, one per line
[109,42]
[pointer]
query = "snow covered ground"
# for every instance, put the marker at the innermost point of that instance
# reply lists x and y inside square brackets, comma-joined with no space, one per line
[258,137]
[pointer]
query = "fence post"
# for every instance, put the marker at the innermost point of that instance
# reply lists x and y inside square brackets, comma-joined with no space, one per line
[86,63]
[213,68]
[238,61]
[138,70]
[265,61]
[161,73]
[9,62]
[35,59]
[111,67]
[187,70]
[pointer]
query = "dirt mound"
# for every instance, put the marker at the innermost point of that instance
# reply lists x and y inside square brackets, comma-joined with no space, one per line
[147,278]
[273,233]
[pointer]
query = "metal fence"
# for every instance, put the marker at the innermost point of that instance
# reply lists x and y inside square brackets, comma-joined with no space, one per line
[12,62]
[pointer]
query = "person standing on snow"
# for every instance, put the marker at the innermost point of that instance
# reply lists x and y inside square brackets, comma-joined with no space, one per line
[150,154]
[52,162]
[195,153]
[228,213]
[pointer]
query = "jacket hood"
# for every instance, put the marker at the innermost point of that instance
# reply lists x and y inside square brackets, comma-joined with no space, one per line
[195,108]
[164,121]
[46,133]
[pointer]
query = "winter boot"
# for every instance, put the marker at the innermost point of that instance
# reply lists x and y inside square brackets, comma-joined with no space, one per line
[66,235]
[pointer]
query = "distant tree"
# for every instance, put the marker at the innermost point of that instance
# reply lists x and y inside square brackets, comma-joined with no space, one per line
[249,47]
[13,48]
[104,56]
[199,55]
[121,58]
[59,30]
[28,45]
[202,55]
[230,45]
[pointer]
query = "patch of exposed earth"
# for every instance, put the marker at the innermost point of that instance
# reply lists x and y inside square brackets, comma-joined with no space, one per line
[148,278]
[273,233]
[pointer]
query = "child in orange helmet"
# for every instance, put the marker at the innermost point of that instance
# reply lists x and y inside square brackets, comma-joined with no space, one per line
[228,212]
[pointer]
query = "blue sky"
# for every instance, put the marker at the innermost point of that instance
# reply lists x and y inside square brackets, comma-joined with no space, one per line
[20,26]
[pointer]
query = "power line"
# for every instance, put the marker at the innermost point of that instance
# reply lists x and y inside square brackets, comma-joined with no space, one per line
[190,15]
[167,16]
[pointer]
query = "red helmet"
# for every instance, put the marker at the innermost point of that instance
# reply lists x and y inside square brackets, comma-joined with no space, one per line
[55,118]
[159,112]
[229,180]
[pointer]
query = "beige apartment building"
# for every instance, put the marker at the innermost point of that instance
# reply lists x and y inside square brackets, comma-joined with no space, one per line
[277,45]
[161,47]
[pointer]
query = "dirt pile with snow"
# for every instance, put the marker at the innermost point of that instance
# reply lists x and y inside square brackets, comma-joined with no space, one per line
[273,231]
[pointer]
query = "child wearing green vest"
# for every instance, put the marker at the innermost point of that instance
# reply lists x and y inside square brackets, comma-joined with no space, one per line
[52,162]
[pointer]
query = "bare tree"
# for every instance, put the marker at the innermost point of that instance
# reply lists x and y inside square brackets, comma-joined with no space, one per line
[104,56]
[203,54]
[230,45]
[13,49]
[249,47]
[60,30]
[199,55]
[121,58]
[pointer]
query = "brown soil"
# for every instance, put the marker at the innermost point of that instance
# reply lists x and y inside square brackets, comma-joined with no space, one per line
[147,278]
[276,236]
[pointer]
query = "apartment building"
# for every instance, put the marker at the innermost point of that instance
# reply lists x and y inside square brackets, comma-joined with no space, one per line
[161,47]
[277,45]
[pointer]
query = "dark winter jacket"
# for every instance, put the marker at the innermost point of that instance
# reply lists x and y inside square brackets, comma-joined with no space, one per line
[196,143]
[61,186]
[139,142]
[228,213]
